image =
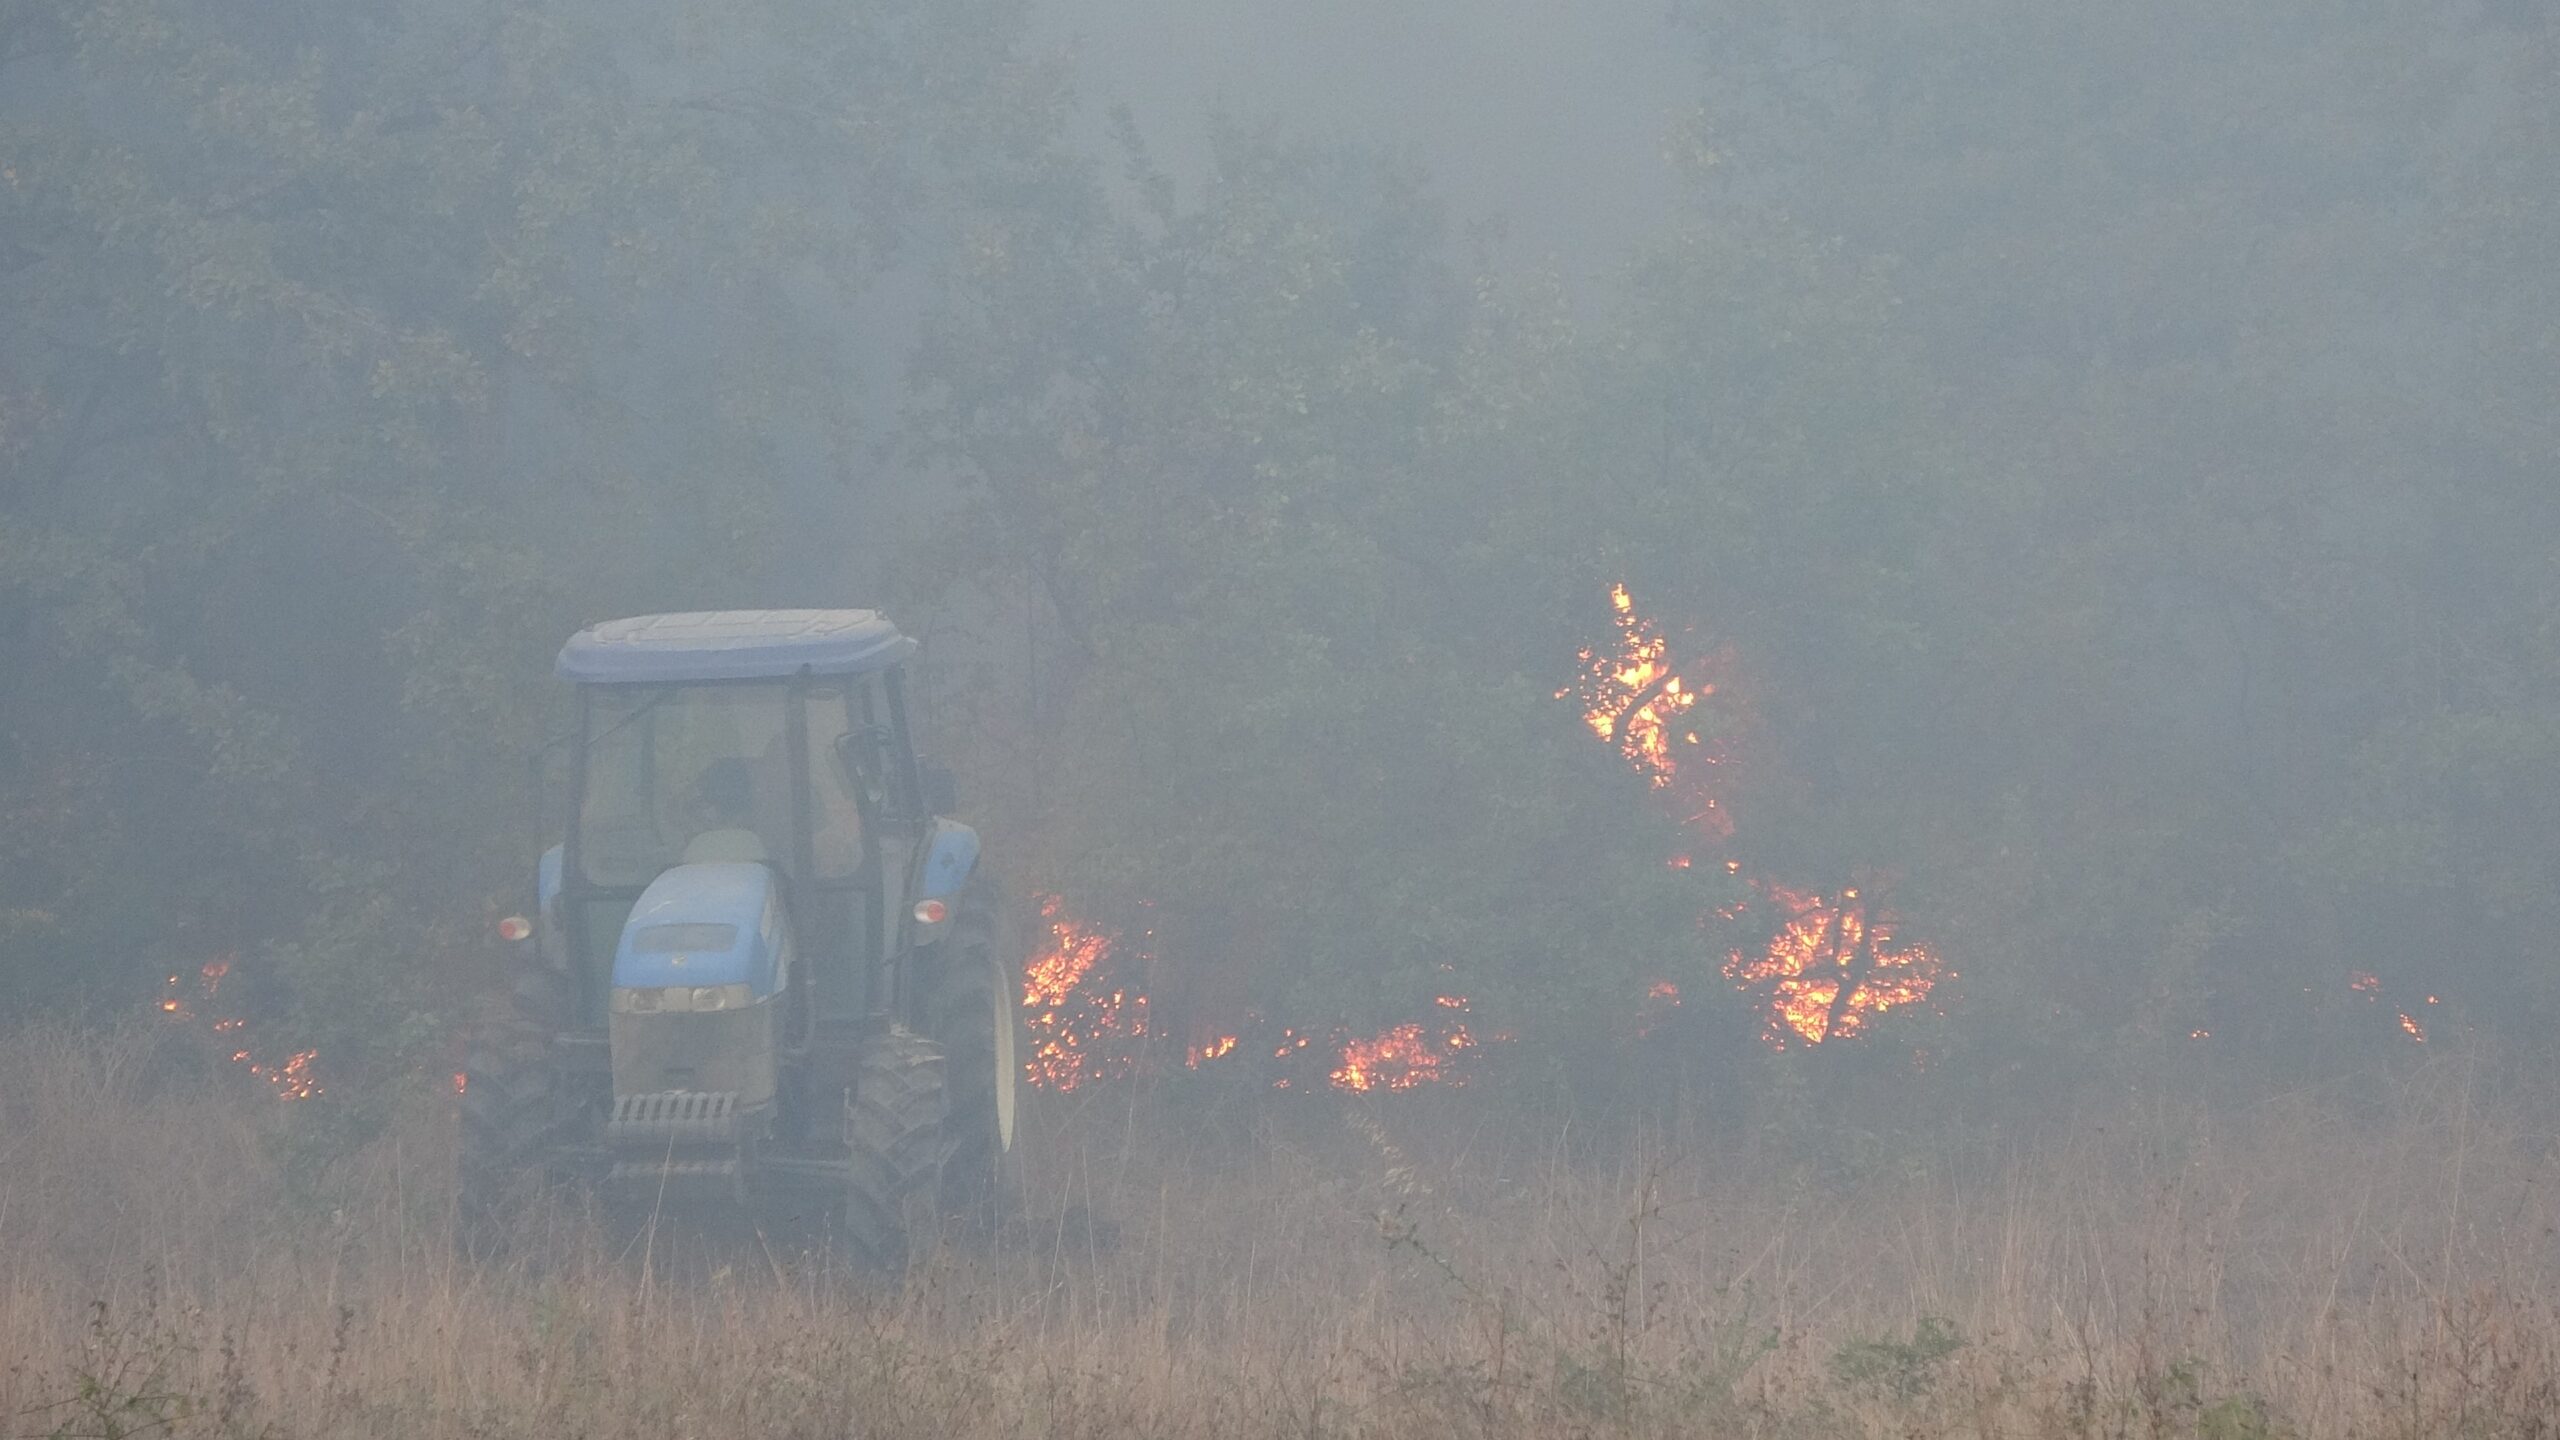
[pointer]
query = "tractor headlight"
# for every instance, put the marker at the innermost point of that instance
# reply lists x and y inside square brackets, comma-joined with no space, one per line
[676,999]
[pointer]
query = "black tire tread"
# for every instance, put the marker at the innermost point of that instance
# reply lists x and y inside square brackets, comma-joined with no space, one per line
[511,1114]
[893,1142]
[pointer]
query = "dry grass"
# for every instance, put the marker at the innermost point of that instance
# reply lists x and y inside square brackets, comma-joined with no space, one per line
[1314,1267]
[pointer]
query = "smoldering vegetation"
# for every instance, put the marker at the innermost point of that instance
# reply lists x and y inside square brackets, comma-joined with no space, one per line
[1726,717]
[2376,1262]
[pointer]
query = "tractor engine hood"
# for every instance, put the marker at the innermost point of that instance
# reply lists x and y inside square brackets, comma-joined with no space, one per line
[704,925]
[694,981]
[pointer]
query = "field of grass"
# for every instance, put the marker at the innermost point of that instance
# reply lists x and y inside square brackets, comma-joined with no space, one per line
[176,1258]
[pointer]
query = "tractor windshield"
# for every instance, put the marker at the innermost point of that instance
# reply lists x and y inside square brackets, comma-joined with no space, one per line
[680,774]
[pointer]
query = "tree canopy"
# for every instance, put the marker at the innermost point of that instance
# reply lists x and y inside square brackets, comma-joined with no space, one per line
[2103,459]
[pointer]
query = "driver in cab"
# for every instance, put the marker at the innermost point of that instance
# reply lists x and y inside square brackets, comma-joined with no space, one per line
[724,799]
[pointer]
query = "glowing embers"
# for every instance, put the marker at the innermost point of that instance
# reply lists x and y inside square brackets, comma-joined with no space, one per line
[290,1079]
[1083,1024]
[1661,999]
[2369,985]
[178,1005]
[1832,965]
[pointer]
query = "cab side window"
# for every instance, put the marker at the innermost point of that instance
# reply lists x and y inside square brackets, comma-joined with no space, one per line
[835,806]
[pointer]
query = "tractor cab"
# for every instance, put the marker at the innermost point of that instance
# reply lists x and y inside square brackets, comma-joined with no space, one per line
[769,738]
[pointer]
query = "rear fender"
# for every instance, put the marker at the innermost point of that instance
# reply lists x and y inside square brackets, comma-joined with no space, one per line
[950,857]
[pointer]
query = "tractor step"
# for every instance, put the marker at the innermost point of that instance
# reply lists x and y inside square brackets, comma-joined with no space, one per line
[797,1173]
[631,1174]
[673,1117]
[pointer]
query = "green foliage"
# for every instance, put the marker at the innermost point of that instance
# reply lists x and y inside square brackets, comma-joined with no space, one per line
[353,360]
[124,1384]
[1313,745]
[2111,451]
[1900,1369]
[2179,1397]
[2214,634]
[1598,1360]
[2047,434]
[2236,1417]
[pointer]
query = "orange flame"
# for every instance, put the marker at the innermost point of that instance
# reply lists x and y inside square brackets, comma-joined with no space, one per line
[1635,699]
[1086,1026]
[1832,965]
[1082,1027]
[1402,1057]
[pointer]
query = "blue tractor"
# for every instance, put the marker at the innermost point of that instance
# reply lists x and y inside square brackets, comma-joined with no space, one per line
[764,971]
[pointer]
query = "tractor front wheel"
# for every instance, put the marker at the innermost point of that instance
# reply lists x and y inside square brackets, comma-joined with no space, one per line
[511,1112]
[893,1132]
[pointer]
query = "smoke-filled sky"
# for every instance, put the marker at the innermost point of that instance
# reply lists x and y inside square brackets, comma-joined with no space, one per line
[2114,448]
[1545,119]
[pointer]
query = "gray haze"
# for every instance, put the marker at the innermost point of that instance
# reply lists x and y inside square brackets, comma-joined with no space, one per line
[2101,461]
[1548,122]
[920,718]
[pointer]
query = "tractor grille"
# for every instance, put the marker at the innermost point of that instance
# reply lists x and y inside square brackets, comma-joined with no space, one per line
[678,1144]
[674,1117]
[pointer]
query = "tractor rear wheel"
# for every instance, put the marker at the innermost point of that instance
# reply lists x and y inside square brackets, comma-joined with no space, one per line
[512,1111]
[974,1023]
[893,1132]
